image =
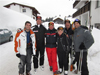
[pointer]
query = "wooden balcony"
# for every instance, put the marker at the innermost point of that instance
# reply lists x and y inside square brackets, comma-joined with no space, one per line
[75,3]
[82,10]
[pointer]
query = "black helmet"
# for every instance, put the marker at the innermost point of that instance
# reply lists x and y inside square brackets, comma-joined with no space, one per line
[77,20]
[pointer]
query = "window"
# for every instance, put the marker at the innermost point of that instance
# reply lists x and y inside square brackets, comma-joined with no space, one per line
[1,32]
[98,4]
[6,31]
[24,10]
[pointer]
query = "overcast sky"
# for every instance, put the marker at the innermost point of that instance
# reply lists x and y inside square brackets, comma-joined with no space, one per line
[51,8]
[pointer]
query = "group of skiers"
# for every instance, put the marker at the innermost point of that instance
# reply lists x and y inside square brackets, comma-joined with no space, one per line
[31,42]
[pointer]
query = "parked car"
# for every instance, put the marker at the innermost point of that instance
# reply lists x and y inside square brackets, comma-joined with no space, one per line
[5,35]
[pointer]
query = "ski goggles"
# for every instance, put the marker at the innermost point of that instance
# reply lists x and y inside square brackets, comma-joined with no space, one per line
[51,23]
[77,20]
[60,28]
[38,18]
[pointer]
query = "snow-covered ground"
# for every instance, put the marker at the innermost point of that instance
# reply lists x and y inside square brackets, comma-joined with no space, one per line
[9,62]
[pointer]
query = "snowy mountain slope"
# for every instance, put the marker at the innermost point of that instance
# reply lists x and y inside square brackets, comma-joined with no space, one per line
[12,20]
[9,62]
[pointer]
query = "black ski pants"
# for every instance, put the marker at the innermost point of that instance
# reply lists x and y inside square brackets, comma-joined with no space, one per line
[40,50]
[84,68]
[63,60]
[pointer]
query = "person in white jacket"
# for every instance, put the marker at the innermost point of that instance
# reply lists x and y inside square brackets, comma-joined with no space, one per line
[25,46]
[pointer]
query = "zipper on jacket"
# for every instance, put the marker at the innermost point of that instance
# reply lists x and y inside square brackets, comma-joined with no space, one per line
[62,44]
[26,40]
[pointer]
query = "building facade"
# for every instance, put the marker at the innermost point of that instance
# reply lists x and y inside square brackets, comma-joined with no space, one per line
[22,8]
[88,12]
[58,21]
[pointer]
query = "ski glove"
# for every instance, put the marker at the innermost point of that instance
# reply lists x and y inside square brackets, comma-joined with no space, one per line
[18,55]
[82,46]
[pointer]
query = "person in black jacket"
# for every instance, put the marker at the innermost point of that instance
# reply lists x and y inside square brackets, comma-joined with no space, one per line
[62,50]
[69,32]
[51,49]
[39,31]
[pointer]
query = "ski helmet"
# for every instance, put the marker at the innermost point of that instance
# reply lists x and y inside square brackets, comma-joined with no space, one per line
[77,20]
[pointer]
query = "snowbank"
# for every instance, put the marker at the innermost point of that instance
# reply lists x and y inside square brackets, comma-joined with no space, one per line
[95,47]
[12,20]
[7,53]
[94,54]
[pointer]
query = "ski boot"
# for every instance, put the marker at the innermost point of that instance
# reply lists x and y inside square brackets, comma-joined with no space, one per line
[21,74]
[66,73]
[42,68]
[60,70]
[76,71]
[28,73]
[72,67]
[56,73]
[50,68]
[35,70]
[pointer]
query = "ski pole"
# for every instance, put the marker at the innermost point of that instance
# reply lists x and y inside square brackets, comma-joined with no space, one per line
[80,61]
[72,48]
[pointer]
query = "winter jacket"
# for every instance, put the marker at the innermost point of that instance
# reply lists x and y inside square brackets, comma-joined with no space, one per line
[51,38]
[82,35]
[62,43]
[21,42]
[40,35]
[69,32]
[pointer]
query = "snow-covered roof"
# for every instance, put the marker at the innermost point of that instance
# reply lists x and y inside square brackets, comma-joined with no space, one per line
[24,5]
[58,18]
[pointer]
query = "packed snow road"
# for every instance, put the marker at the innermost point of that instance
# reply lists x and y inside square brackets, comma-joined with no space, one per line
[9,61]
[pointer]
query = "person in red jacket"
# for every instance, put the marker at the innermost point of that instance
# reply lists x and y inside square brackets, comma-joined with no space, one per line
[51,49]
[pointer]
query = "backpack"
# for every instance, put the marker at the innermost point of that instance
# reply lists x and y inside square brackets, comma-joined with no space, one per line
[84,27]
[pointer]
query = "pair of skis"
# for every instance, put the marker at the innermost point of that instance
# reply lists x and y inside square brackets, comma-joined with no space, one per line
[80,63]
[72,54]
[80,59]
